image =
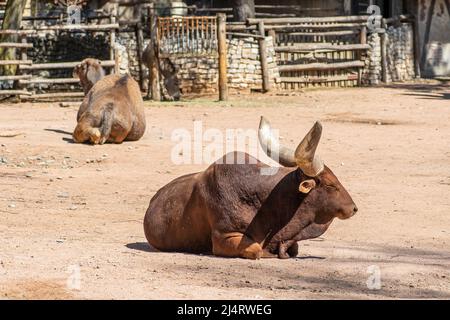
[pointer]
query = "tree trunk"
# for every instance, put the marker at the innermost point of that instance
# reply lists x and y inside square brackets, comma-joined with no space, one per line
[243,9]
[12,20]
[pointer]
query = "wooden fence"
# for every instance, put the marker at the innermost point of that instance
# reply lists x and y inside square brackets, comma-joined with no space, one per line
[27,74]
[311,52]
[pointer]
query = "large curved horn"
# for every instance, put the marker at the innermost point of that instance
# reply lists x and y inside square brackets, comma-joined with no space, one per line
[283,155]
[305,154]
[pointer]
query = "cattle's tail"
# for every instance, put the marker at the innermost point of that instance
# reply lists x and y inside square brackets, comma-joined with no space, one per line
[107,121]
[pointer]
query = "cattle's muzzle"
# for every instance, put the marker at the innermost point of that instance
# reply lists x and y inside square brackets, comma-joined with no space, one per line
[348,213]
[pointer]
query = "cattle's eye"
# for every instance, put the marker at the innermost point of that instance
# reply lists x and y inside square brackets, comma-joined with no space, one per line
[331,188]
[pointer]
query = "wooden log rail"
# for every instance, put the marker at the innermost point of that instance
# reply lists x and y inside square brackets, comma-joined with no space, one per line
[245,35]
[298,20]
[321,66]
[350,77]
[50,81]
[22,63]
[308,47]
[325,34]
[14,78]
[16,45]
[62,65]
[53,95]
[15,92]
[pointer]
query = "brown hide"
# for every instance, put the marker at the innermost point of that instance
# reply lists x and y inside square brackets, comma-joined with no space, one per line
[232,210]
[112,110]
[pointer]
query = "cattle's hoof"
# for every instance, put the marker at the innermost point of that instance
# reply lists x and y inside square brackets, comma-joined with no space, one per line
[253,252]
[283,250]
[293,250]
[95,136]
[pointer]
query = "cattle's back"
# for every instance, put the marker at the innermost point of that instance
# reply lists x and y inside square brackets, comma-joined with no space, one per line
[124,93]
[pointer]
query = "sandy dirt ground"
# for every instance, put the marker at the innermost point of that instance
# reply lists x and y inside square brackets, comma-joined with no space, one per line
[71,215]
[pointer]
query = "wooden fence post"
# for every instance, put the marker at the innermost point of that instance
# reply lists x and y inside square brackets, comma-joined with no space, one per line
[263,58]
[416,40]
[154,85]
[383,43]
[273,34]
[112,37]
[363,41]
[140,48]
[222,48]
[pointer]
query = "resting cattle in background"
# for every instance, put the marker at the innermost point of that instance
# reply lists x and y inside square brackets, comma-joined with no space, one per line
[169,82]
[112,110]
[232,210]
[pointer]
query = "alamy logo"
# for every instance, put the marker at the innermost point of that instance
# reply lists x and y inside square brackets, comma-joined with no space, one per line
[74,279]
[374,280]
[374,21]
[211,145]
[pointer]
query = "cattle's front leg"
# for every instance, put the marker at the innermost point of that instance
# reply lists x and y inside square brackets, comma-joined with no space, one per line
[235,244]
[84,132]
[288,249]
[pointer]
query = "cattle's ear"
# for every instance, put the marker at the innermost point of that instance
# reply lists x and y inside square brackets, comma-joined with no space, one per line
[306,186]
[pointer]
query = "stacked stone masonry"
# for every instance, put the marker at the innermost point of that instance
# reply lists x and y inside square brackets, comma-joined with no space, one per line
[199,74]
[399,54]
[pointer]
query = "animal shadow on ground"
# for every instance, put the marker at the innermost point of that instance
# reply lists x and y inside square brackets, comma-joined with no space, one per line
[141,246]
[68,140]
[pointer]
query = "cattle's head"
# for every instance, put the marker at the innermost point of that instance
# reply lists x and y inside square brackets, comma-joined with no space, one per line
[322,189]
[89,71]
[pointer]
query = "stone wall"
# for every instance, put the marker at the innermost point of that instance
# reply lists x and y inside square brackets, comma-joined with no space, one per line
[371,74]
[126,43]
[399,54]
[200,74]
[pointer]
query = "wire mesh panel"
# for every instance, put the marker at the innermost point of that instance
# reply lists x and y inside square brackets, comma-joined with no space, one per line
[195,36]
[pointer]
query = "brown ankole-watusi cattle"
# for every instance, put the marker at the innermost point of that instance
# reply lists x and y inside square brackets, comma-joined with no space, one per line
[112,110]
[233,210]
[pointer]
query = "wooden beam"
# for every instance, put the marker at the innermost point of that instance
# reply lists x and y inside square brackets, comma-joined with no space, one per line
[140,49]
[154,85]
[14,92]
[263,58]
[15,62]
[245,35]
[269,21]
[426,39]
[52,81]
[291,27]
[13,78]
[17,32]
[383,44]
[321,66]
[15,45]
[54,95]
[81,27]
[62,65]
[308,47]
[416,39]
[362,41]
[350,77]
[222,48]
[323,34]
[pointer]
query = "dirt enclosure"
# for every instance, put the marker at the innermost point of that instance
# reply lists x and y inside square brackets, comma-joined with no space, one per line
[71,215]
